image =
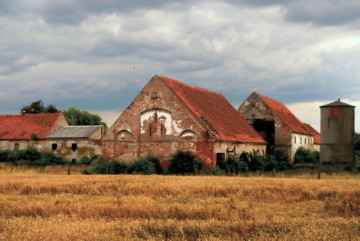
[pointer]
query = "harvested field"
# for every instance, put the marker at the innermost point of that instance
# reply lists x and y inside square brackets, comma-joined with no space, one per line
[60,207]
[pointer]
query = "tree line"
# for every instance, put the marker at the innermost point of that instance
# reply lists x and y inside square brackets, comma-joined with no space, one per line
[74,116]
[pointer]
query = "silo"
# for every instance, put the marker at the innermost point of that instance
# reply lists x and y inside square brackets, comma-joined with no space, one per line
[337,133]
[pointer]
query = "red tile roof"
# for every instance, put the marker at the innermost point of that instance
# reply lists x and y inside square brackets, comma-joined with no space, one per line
[215,111]
[286,117]
[313,132]
[22,127]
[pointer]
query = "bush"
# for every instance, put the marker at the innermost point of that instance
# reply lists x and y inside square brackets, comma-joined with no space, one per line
[87,160]
[270,164]
[106,167]
[5,156]
[30,156]
[307,156]
[184,163]
[142,166]
[257,162]
[47,159]
[156,162]
[235,166]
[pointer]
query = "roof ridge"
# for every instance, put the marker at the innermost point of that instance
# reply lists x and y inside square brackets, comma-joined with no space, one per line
[166,78]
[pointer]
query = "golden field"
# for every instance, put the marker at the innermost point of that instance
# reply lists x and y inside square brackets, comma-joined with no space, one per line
[39,206]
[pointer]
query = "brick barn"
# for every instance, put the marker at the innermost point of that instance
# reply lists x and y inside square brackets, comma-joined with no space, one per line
[282,130]
[49,132]
[169,115]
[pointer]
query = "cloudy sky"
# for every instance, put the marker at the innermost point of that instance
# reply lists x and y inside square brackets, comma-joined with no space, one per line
[97,54]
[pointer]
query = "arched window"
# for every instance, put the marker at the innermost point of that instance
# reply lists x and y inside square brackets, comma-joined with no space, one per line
[188,134]
[125,135]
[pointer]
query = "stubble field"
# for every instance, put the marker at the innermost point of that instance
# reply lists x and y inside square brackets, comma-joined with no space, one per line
[52,207]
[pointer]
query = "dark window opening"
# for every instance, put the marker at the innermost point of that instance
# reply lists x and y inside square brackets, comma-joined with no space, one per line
[266,129]
[16,146]
[54,146]
[220,157]
[74,147]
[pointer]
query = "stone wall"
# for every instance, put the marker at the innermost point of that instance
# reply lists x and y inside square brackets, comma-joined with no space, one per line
[84,147]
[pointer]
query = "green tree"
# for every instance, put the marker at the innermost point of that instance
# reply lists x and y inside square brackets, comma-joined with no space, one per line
[78,117]
[37,107]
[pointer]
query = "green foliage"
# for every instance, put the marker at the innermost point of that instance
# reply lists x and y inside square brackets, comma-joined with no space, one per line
[31,157]
[147,165]
[78,117]
[235,166]
[38,107]
[47,159]
[142,166]
[184,163]
[87,160]
[5,156]
[106,167]
[307,156]
[252,162]
[257,162]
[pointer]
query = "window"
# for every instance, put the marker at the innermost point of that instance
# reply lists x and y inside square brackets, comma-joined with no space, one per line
[54,146]
[16,146]
[300,140]
[295,139]
[74,147]
[220,157]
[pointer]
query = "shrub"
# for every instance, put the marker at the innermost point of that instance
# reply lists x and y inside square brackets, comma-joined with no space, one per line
[5,156]
[184,163]
[142,166]
[270,164]
[87,160]
[257,162]
[235,166]
[30,154]
[307,156]
[47,159]
[106,167]
[156,162]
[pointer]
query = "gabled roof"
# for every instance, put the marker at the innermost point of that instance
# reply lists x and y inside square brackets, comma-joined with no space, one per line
[74,132]
[313,132]
[24,127]
[214,111]
[286,117]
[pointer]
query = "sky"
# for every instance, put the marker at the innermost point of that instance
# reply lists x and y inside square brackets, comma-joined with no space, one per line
[98,54]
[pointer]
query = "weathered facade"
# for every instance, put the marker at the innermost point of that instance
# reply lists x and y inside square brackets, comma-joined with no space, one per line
[49,133]
[75,142]
[282,130]
[168,116]
[337,132]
